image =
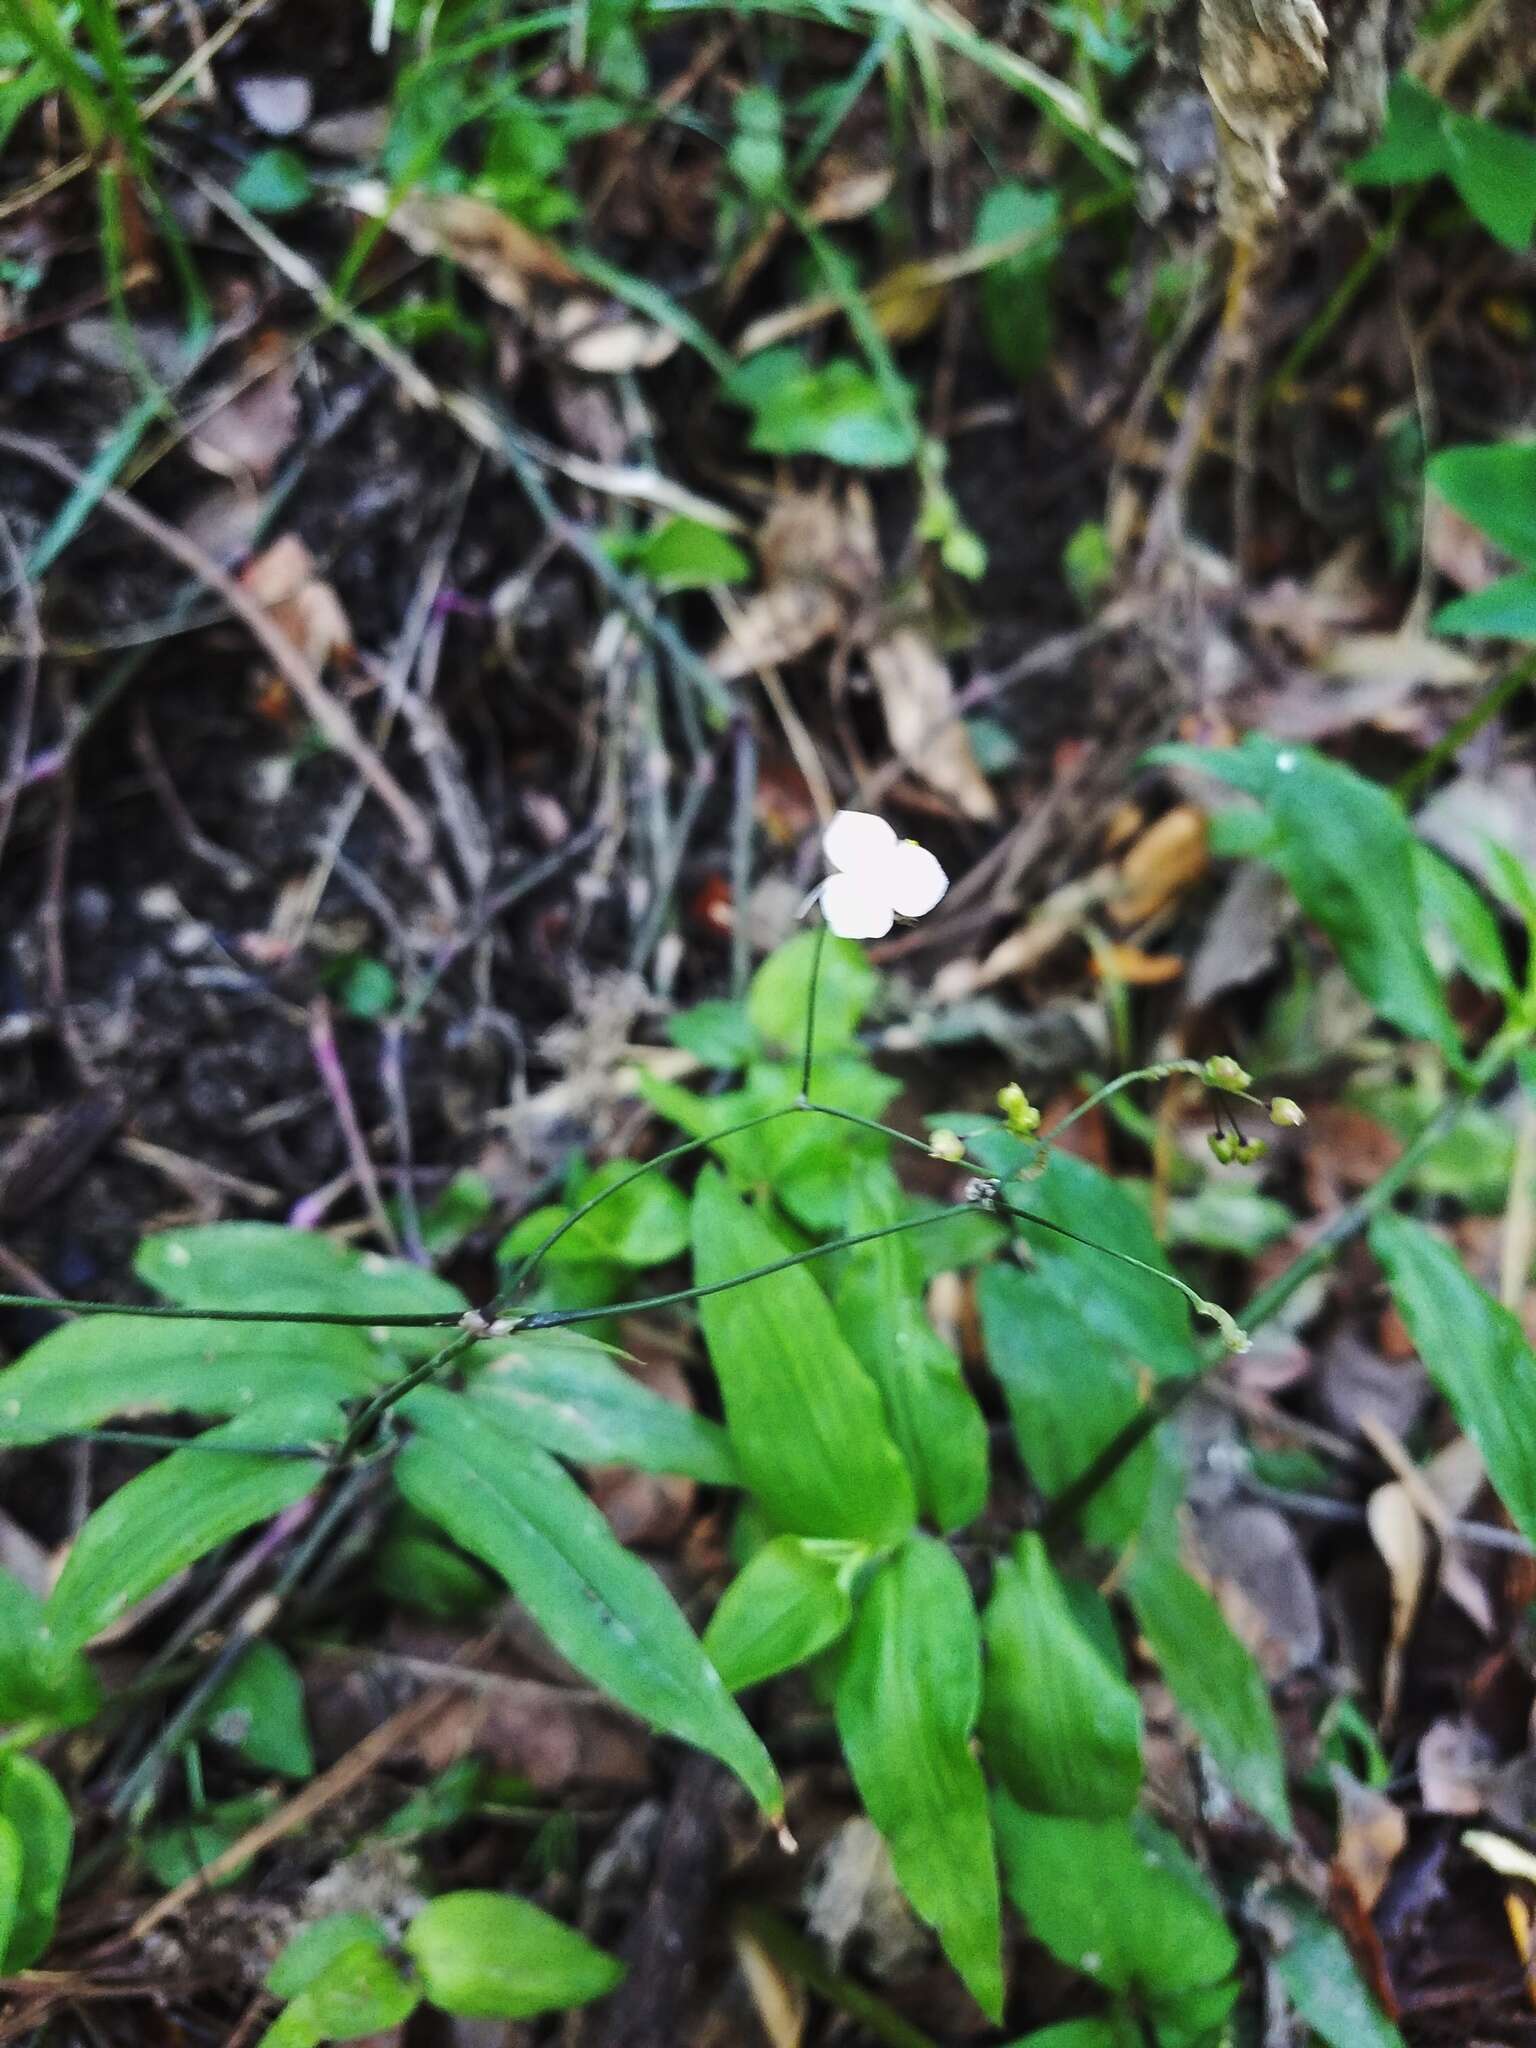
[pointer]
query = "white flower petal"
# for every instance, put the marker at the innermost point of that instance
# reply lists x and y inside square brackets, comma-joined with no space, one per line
[856,908]
[914,879]
[858,839]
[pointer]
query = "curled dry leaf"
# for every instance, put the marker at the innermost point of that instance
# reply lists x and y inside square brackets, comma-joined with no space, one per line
[500,254]
[1456,1763]
[779,2002]
[821,568]
[593,335]
[304,608]
[248,437]
[1398,1532]
[917,696]
[1134,968]
[1373,1833]
[1263,63]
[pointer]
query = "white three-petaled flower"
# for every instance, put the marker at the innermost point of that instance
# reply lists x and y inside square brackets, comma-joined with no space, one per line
[876,877]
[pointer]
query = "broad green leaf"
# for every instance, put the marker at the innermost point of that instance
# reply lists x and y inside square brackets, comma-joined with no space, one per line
[687,555]
[316,1946]
[836,409]
[1494,170]
[778,1002]
[1346,850]
[1473,1349]
[175,1853]
[640,1220]
[37,1812]
[1213,1678]
[804,1417]
[1455,915]
[180,1509]
[1225,1216]
[1142,1316]
[10,1883]
[267,1265]
[718,1033]
[416,1567]
[931,1411]
[1412,145]
[1495,488]
[274,181]
[562,1391]
[508,1503]
[1321,1981]
[1016,294]
[908,1695]
[805,1159]
[486,1955]
[1506,610]
[1069,1394]
[41,1679]
[1061,1727]
[1120,1901]
[358,1993]
[1111,2032]
[259,1710]
[788,1602]
[86,1372]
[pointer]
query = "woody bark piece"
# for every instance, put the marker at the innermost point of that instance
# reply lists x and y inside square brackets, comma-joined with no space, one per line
[1263,63]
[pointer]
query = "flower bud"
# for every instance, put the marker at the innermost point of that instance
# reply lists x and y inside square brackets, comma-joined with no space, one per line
[1019,1113]
[946,1145]
[1290,1116]
[1223,1147]
[1222,1071]
[1250,1150]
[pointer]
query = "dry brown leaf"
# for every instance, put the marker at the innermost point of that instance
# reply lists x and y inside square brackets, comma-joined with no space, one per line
[1263,62]
[780,2003]
[1462,553]
[1168,858]
[908,302]
[1135,968]
[1405,659]
[249,436]
[1398,1532]
[1260,1576]
[821,568]
[847,190]
[500,254]
[304,608]
[605,341]
[1373,1833]
[1456,1762]
[917,696]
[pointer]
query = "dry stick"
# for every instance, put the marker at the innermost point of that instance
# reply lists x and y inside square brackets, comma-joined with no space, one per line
[333,1075]
[30,634]
[324,1791]
[332,719]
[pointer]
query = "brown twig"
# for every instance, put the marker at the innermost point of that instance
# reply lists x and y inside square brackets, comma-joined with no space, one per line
[332,719]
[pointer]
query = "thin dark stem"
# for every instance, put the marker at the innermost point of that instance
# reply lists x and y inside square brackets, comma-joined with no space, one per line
[159,1312]
[810,1013]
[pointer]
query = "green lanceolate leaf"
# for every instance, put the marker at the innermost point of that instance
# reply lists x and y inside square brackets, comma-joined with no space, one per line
[640,1220]
[486,1955]
[907,1699]
[316,1946]
[41,1678]
[1314,1964]
[86,1372]
[1456,916]
[932,1412]
[787,1603]
[1143,1317]
[267,1265]
[1505,610]
[182,1508]
[510,1504]
[1473,1349]
[1016,294]
[562,1391]
[1060,1726]
[1069,1393]
[804,1417]
[1120,1901]
[10,1882]
[32,1805]
[1211,1674]
[1346,850]
[259,1710]
[1113,2031]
